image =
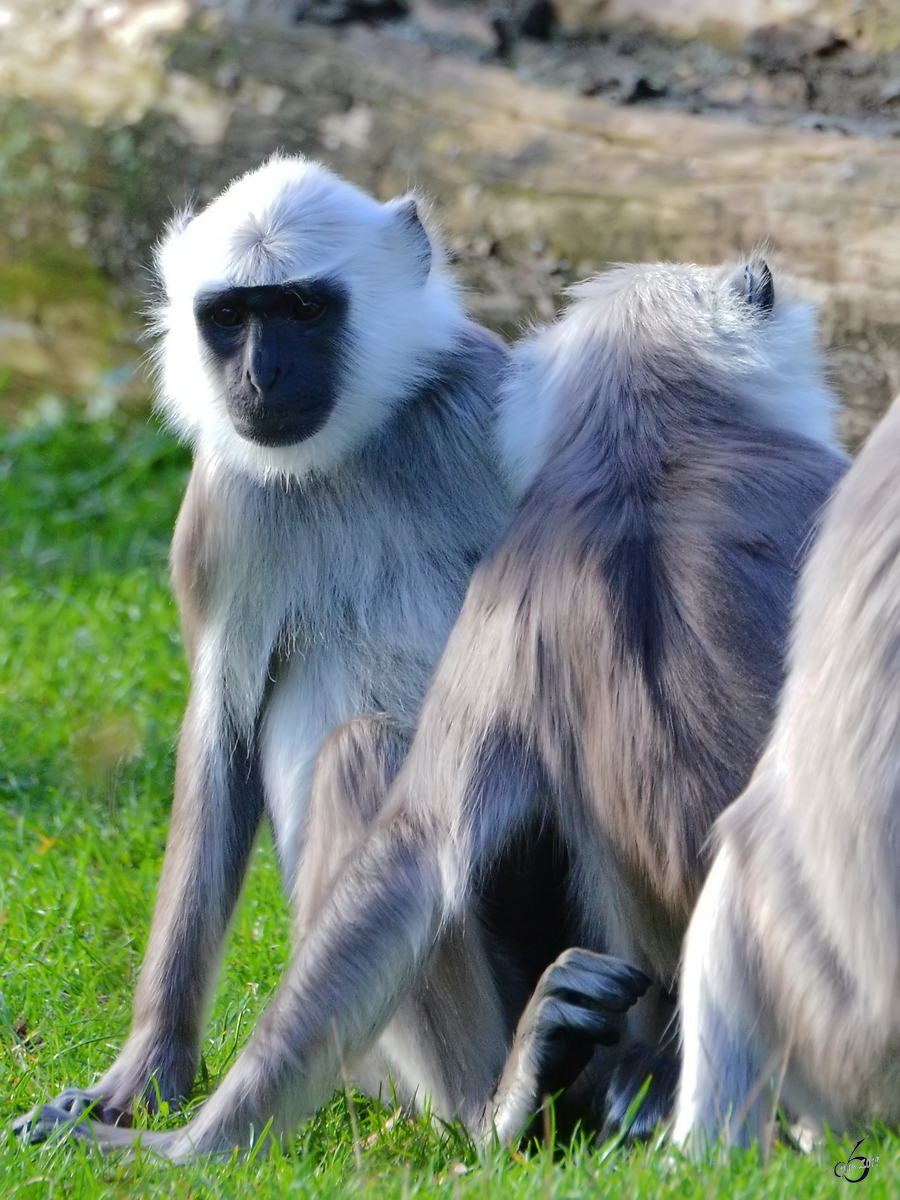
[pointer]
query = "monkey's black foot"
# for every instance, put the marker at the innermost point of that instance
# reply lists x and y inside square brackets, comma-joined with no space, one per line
[47,1120]
[71,1107]
[637,1063]
[576,1006]
[68,1109]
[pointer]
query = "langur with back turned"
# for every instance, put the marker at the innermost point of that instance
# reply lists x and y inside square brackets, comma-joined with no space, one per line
[604,694]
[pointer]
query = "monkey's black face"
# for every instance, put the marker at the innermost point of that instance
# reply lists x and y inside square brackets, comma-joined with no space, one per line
[281,351]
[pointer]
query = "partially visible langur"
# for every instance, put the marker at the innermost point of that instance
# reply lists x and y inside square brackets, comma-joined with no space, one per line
[604,693]
[792,960]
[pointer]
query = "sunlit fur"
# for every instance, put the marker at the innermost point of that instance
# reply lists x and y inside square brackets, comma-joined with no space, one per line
[290,220]
[611,679]
[792,961]
[659,319]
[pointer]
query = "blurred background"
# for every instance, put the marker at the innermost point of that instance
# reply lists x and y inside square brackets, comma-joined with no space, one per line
[554,136]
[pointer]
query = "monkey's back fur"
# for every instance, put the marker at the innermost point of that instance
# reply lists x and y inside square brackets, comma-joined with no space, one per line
[629,633]
[654,621]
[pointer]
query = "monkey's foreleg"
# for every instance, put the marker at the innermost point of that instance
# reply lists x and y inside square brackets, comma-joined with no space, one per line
[350,973]
[577,1004]
[352,970]
[215,816]
[725,1091]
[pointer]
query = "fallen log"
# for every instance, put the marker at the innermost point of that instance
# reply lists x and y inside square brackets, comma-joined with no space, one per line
[534,187]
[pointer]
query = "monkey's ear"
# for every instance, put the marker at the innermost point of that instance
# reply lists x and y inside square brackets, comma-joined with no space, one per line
[409,239]
[756,286]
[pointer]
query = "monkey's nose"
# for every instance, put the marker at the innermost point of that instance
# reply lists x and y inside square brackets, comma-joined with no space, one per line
[263,369]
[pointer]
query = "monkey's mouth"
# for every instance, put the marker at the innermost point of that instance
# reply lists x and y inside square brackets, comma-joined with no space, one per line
[270,425]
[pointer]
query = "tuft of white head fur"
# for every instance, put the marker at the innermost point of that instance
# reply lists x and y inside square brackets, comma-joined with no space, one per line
[668,323]
[290,220]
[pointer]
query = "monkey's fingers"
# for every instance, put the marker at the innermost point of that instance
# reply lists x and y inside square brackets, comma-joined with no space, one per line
[75,1101]
[567,1019]
[563,1039]
[598,980]
[25,1128]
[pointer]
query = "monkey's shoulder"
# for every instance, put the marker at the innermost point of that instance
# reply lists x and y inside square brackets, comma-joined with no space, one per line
[458,392]
[755,492]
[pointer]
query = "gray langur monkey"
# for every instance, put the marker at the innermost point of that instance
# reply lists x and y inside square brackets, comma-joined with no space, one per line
[605,692]
[791,984]
[345,484]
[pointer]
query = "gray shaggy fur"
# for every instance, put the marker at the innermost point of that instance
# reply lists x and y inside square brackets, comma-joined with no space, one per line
[603,695]
[792,966]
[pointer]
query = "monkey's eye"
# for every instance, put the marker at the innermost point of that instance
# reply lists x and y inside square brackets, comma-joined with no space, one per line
[303,308]
[227,317]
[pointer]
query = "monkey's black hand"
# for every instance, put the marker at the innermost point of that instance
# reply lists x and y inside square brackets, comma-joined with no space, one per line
[576,1006]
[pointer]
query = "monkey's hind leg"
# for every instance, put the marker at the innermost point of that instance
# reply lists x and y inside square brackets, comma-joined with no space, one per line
[445,1045]
[354,771]
[725,1092]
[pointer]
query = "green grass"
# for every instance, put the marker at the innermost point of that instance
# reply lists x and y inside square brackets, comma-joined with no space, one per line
[92,684]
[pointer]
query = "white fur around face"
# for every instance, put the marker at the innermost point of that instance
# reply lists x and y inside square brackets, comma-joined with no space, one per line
[671,317]
[292,220]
